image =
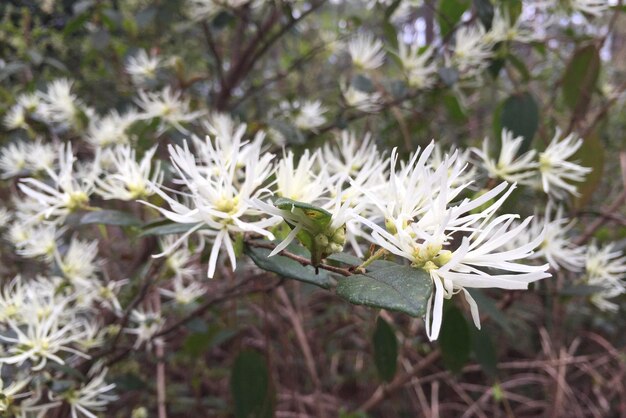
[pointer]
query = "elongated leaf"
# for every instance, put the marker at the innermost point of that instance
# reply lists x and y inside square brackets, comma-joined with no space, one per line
[520,115]
[287,267]
[110,217]
[167,229]
[251,387]
[399,288]
[590,154]
[580,78]
[450,12]
[454,339]
[485,11]
[314,213]
[484,351]
[385,350]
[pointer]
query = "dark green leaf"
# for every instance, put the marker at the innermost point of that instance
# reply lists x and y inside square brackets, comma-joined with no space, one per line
[345,258]
[513,7]
[484,9]
[454,339]
[454,108]
[590,154]
[484,351]
[251,387]
[110,217]
[385,350]
[520,115]
[450,12]
[580,78]
[399,288]
[286,267]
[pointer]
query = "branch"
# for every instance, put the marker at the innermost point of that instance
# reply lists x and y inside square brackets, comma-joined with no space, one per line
[302,260]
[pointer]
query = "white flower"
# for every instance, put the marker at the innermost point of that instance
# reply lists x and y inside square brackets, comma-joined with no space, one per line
[605,268]
[309,115]
[503,29]
[41,156]
[182,293]
[14,159]
[510,166]
[418,67]
[69,191]
[300,182]
[606,264]
[5,217]
[557,246]
[129,179]
[218,194]
[19,157]
[40,242]
[181,261]
[142,67]
[557,172]
[42,339]
[366,51]
[167,105]
[15,118]
[147,325]
[90,397]
[350,155]
[458,245]
[591,7]
[11,392]
[79,263]
[471,50]
[363,101]
[453,270]
[111,129]
[59,105]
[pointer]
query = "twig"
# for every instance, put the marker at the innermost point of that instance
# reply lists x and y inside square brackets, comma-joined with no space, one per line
[302,260]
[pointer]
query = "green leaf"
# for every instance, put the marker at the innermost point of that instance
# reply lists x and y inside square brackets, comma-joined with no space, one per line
[580,77]
[450,12]
[287,267]
[385,350]
[590,154]
[318,215]
[251,387]
[484,351]
[398,288]
[454,339]
[167,229]
[110,217]
[485,11]
[345,258]
[514,7]
[454,108]
[520,115]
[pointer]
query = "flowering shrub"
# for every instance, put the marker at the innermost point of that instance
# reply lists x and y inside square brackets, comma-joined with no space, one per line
[197,195]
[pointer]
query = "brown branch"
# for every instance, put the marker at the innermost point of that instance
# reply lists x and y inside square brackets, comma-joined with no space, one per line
[302,260]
